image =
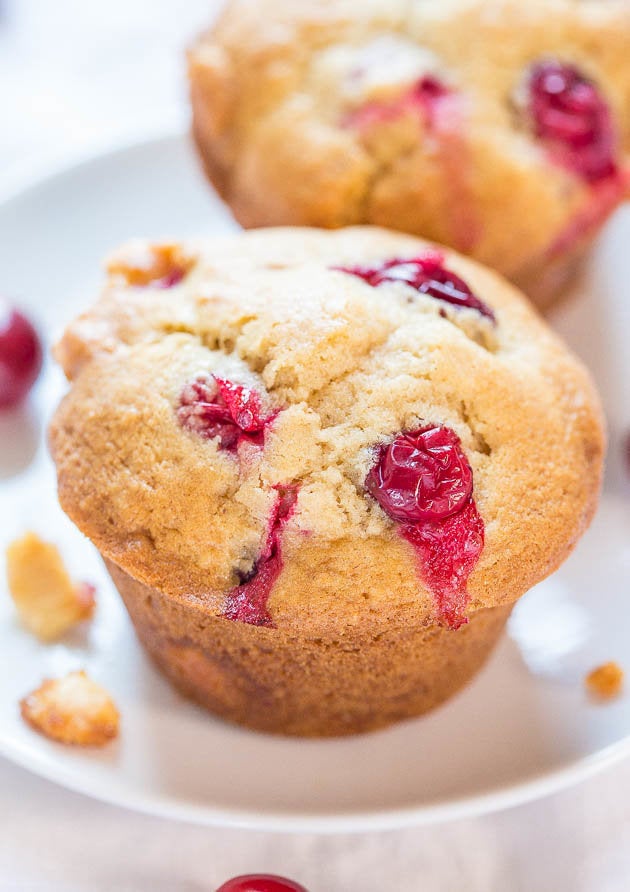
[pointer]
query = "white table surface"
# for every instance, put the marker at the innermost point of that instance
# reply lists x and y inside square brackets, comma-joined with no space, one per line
[77,73]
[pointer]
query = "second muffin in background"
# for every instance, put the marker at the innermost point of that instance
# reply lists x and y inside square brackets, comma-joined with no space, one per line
[498,127]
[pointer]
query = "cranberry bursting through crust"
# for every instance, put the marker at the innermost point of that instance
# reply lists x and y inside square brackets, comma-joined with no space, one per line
[215,407]
[571,117]
[423,481]
[428,275]
[429,97]
[247,602]
[441,110]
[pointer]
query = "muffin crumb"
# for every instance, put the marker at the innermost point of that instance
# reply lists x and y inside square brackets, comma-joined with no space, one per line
[49,603]
[72,710]
[606,681]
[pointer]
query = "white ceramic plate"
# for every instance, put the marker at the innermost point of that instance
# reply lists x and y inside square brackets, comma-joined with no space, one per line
[523,728]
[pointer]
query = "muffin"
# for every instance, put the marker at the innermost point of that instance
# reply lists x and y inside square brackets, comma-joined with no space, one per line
[498,127]
[321,466]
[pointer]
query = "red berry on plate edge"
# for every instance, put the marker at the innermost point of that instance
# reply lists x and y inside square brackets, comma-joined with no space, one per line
[260,882]
[20,356]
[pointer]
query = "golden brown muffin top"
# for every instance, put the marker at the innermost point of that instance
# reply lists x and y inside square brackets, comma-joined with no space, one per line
[339,366]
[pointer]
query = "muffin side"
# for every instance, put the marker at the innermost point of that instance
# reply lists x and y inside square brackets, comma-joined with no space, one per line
[291,683]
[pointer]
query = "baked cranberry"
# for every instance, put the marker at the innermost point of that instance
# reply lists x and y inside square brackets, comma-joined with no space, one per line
[215,407]
[427,274]
[571,116]
[428,97]
[247,602]
[423,475]
[430,93]
[261,882]
[447,554]
[440,111]
[20,356]
[174,277]
[243,405]
[423,481]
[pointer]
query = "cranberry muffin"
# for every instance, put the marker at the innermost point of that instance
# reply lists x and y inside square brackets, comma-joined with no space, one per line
[321,466]
[498,127]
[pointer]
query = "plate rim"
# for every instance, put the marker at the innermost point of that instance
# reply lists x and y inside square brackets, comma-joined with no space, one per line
[17,182]
[474,805]
[22,177]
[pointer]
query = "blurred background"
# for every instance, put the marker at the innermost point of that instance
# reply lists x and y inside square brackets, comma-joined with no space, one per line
[76,73]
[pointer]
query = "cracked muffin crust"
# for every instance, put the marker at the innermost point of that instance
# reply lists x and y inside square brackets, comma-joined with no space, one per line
[499,128]
[306,443]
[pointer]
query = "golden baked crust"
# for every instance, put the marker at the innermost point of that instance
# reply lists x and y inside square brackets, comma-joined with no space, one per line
[290,682]
[350,366]
[274,87]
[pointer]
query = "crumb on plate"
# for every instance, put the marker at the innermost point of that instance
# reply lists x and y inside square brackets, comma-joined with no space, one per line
[605,681]
[48,601]
[73,710]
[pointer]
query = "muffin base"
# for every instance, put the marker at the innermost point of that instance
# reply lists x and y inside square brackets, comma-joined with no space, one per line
[283,683]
